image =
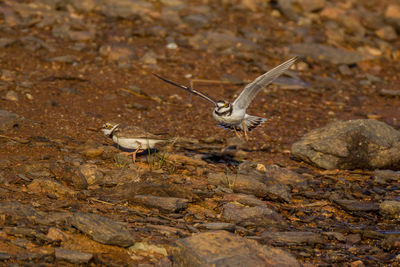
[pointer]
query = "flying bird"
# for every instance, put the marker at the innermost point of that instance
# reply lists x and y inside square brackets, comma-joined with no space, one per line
[233,115]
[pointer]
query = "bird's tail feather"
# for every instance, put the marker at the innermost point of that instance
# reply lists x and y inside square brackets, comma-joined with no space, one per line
[250,121]
[253,121]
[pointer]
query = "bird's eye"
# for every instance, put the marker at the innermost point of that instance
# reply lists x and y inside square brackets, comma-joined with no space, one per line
[106,126]
[226,105]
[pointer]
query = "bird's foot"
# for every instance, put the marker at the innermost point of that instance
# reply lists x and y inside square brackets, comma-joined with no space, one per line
[237,133]
[245,131]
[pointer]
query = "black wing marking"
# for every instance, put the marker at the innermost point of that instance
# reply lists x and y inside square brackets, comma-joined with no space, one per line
[190,90]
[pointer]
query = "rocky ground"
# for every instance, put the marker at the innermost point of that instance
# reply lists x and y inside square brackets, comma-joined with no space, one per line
[310,187]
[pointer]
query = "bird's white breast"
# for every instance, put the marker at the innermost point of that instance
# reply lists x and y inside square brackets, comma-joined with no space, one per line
[234,119]
[134,143]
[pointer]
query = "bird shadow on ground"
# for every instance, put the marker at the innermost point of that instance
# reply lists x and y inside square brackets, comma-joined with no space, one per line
[220,158]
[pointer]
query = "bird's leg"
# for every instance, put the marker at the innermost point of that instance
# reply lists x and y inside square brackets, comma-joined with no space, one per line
[245,130]
[135,152]
[236,132]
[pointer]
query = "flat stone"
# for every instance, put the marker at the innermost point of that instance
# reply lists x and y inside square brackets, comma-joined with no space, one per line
[251,184]
[284,176]
[292,237]
[147,249]
[18,211]
[8,120]
[196,21]
[353,238]
[102,229]
[248,200]
[58,217]
[37,169]
[169,204]
[386,176]
[390,209]
[31,256]
[367,144]
[25,232]
[357,205]
[338,236]
[240,183]
[23,243]
[76,257]
[219,226]
[244,216]
[93,152]
[51,187]
[321,52]
[221,248]
[277,191]
[64,59]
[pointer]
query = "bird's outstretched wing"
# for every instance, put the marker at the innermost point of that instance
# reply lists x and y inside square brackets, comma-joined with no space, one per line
[188,89]
[252,89]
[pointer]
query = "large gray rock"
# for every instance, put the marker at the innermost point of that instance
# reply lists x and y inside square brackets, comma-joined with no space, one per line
[351,144]
[221,248]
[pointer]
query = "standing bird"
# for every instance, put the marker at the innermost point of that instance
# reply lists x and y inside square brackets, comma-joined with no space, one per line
[131,137]
[233,116]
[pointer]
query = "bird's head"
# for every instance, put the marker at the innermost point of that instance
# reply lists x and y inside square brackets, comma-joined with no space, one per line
[108,128]
[223,108]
